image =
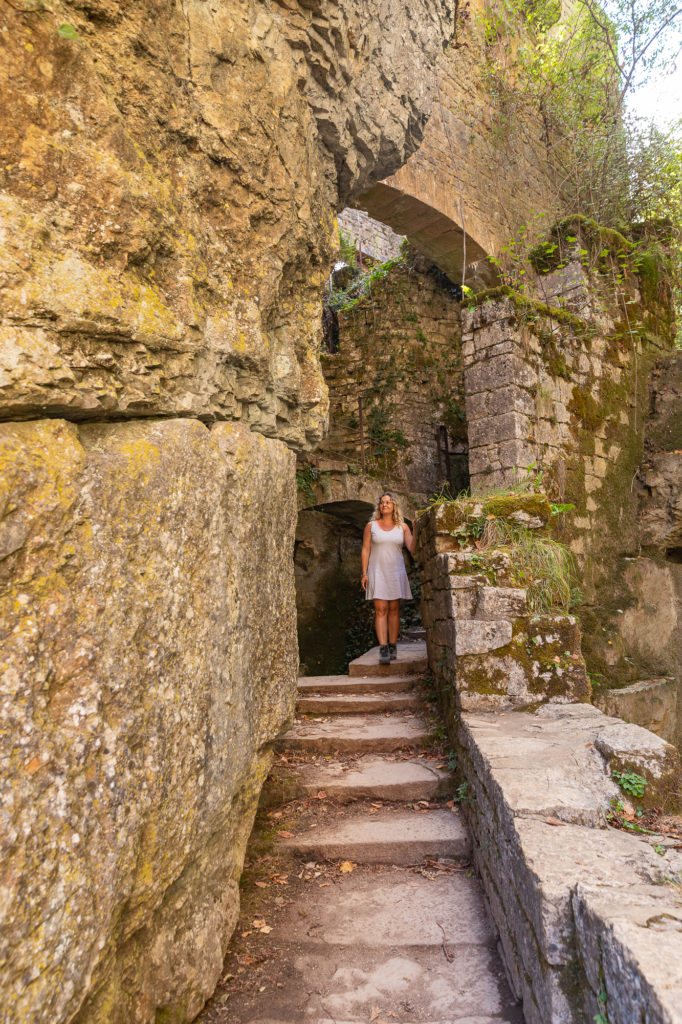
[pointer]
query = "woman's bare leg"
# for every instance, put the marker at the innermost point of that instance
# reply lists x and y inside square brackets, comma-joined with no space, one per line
[381,620]
[393,621]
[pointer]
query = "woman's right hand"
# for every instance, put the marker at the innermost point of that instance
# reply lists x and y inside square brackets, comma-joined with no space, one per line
[364,580]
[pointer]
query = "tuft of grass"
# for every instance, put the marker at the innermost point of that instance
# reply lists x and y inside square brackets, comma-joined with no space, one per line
[546,568]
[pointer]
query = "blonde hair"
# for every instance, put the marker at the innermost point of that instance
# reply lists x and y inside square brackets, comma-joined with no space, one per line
[397,512]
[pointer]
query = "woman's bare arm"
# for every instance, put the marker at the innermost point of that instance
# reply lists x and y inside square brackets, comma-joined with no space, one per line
[364,558]
[410,542]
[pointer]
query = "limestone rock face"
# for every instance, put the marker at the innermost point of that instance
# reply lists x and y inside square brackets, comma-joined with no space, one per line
[148,661]
[169,179]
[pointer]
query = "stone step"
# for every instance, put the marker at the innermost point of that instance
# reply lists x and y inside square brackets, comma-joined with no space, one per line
[401,984]
[393,909]
[411,661]
[356,684]
[389,837]
[356,703]
[357,734]
[376,778]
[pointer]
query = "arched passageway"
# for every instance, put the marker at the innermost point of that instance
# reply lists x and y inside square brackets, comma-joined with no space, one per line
[335,622]
[434,227]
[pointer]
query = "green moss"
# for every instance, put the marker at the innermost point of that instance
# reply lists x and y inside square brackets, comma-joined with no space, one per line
[532,308]
[589,411]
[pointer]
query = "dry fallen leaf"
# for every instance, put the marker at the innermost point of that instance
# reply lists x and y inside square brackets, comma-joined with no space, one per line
[554,821]
[263,885]
[265,930]
[375,1013]
[346,867]
[284,834]
[322,795]
[257,922]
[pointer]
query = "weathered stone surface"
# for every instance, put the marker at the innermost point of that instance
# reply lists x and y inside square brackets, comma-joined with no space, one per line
[357,734]
[474,637]
[651,703]
[169,212]
[501,603]
[557,892]
[631,950]
[625,745]
[143,678]
[544,763]
[386,838]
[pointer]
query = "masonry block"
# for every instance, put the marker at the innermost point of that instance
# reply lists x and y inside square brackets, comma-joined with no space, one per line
[475,637]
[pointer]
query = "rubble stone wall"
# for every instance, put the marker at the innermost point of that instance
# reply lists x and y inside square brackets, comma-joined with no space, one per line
[399,351]
[369,235]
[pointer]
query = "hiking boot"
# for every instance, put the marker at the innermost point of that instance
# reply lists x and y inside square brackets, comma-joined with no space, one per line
[393,651]
[384,656]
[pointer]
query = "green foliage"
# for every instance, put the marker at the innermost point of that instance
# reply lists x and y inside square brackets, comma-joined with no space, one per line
[306,479]
[348,248]
[611,169]
[546,568]
[67,32]
[462,793]
[630,782]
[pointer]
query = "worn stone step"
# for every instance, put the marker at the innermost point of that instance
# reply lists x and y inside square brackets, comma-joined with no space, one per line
[394,909]
[464,986]
[357,734]
[412,660]
[356,703]
[389,837]
[375,777]
[356,684]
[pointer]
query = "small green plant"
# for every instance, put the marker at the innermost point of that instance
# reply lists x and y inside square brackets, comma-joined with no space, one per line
[306,480]
[347,248]
[599,1018]
[630,782]
[660,850]
[462,793]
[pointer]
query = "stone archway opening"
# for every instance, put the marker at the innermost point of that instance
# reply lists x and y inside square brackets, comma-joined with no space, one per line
[335,622]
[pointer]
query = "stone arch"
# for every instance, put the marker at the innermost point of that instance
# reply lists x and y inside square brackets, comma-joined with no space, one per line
[330,604]
[433,229]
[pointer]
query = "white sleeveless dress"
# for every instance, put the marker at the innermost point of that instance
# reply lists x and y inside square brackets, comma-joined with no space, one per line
[386,570]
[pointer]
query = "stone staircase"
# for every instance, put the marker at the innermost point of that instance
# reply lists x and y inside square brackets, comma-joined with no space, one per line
[403,935]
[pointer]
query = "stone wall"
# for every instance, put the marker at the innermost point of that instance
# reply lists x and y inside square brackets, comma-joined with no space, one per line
[482,170]
[562,384]
[488,648]
[368,235]
[170,176]
[589,918]
[399,352]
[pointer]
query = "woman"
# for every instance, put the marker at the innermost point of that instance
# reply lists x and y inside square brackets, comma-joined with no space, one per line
[384,579]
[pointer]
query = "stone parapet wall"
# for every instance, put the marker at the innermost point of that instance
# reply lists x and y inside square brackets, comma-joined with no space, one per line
[588,917]
[486,648]
[563,386]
